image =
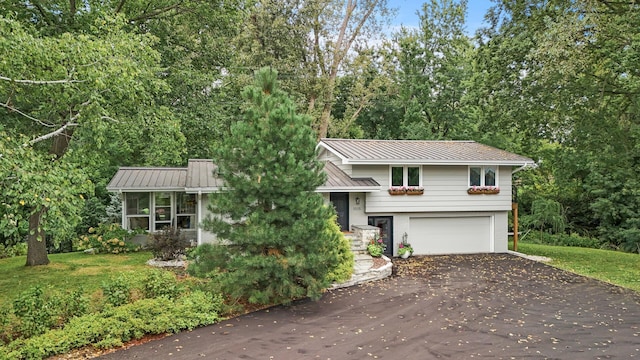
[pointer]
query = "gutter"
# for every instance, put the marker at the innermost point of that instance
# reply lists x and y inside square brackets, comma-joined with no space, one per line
[524,167]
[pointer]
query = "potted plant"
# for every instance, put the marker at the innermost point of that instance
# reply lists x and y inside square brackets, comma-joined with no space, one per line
[376,246]
[404,248]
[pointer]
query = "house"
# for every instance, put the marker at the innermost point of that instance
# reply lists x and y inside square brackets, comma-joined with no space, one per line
[444,197]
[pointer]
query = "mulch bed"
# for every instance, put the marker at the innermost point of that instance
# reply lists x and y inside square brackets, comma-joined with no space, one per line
[490,306]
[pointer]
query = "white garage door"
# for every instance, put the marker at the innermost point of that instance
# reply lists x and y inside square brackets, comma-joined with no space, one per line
[450,235]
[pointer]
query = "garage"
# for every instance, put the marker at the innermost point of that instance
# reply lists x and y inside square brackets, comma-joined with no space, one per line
[451,235]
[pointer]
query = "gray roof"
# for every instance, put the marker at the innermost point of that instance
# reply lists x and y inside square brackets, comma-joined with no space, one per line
[197,176]
[420,152]
[145,178]
[338,180]
[200,176]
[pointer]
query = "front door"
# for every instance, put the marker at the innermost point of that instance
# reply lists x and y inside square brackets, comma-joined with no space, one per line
[385,223]
[341,202]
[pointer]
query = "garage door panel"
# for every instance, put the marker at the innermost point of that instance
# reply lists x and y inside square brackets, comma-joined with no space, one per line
[450,235]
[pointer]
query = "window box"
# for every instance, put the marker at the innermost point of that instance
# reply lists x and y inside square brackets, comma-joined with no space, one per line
[397,191]
[415,191]
[487,190]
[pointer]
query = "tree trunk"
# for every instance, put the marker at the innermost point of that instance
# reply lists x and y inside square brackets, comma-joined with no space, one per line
[36,243]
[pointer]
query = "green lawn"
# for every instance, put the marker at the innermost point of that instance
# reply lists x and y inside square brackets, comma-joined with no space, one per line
[66,271]
[614,267]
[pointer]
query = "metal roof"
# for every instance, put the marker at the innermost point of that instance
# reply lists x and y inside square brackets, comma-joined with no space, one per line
[201,176]
[353,151]
[338,180]
[197,176]
[144,178]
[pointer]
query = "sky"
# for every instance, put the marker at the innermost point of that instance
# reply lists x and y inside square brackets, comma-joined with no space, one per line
[407,13]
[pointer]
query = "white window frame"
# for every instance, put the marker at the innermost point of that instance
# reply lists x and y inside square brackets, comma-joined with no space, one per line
[483,174]
[405,175]
[157,224]
[127,216]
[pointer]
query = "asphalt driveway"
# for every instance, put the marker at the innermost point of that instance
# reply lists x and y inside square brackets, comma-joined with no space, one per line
[469,306]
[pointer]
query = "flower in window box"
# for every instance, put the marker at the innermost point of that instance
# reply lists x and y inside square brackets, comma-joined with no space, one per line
[397,190]
[415,190]
[474,190]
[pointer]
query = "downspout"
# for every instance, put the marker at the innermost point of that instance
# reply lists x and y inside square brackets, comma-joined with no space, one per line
[198,218]
[123,221]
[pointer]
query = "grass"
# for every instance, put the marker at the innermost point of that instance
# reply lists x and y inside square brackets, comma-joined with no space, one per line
[66,272]
[615,267]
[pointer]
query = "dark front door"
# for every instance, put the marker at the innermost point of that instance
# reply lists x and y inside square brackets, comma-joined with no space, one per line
[385,223]
[341,202]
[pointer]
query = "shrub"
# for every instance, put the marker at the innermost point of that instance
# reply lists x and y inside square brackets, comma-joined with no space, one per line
[34,312]
[114,326]
[572,239]
[161,283]
[108,238]
[168,244]
[7,251]
[117,291]
[344,270]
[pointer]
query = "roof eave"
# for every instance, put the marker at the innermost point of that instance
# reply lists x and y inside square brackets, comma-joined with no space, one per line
[326,146]
[143,189]
[202,190]
[325,189]
[437,162]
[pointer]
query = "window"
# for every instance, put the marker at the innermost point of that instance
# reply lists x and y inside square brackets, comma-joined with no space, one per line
[162,210]
[137,205]
[483,176]
[406,176]
[186,210]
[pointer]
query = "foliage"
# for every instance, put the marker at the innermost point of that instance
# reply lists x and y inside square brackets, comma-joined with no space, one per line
[117,290]
[161,283]
[558,80]
[376,246]
[344,270]
[563,239]
[108,238]
[114,326]
[18,249]
[168,244]
[35,311]
[274,231]
[545,214]
[77,103]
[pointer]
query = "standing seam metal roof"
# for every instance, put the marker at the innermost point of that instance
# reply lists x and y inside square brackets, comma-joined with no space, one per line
[337,178]
[420,151]
[198,175]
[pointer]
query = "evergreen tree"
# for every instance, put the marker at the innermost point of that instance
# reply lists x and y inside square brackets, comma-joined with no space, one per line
[276,239]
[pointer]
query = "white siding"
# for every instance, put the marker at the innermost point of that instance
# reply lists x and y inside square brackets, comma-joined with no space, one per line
[206,237]
[357,216]
[445,189]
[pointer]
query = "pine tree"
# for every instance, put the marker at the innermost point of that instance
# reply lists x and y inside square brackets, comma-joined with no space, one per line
[277,242]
